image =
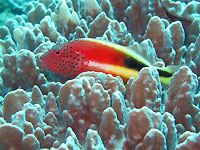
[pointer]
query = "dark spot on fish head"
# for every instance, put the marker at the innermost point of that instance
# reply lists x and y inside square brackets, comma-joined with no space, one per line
[58,52]
[73,62]
[67,61]
[50,60]
[70,63]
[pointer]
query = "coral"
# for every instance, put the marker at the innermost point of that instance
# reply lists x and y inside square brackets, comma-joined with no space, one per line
[73,101]
[188,13]
[65,20]
[119,106]
[116,31]
[20,69]
[147,50]
[77,99]
[93,140]
[91,8]
[48,29]
[188,140]
[180,99]
[148,82]
[192,57]
[6,43]
[109,127]
[35,15]
[110,83]
[192,31]
[99,25]
[107,8]
[20,5]
[139,13]
[181,10]
[146,129]
[30,142]
[119,7]
[168,41]
[171,131]
[30,116]
[16,99]
[11,137]
[40,110]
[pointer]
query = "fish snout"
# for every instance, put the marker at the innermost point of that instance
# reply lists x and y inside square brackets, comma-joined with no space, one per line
[42,57]
[42,61]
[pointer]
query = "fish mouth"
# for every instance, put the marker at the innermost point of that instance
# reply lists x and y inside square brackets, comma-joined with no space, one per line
[42,57]
[42,62]
[42,65]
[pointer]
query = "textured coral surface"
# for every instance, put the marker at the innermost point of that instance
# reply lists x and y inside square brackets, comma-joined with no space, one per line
[96,111]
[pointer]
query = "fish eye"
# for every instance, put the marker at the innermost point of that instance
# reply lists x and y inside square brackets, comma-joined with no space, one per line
[58,51]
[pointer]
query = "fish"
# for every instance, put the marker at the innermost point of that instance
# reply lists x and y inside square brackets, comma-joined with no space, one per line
[87,54]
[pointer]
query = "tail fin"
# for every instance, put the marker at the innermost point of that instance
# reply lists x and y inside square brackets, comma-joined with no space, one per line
[171,68]
[167,72]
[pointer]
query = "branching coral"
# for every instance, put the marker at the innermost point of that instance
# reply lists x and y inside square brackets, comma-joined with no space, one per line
[188,140]
[117,33]
[181,10]
[168,41]
[39,110]
[7,138]
[20,70]
[139,13]
[193,54]
[146,90]
[147,129]
[180,101]
[188,13]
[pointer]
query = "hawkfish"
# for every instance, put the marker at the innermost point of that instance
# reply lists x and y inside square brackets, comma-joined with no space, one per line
[87,54]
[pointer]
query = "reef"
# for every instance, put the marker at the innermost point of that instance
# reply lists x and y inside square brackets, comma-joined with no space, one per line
[97,111]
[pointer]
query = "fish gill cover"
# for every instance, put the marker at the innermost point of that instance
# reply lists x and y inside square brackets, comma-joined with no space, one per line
[39,110]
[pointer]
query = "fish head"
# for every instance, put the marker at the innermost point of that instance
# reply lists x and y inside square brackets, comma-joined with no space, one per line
[64,61]
[51,60]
